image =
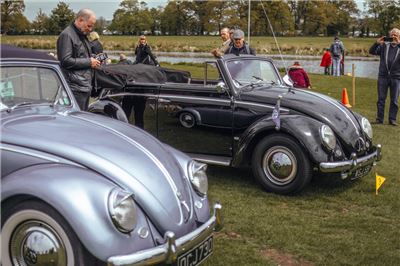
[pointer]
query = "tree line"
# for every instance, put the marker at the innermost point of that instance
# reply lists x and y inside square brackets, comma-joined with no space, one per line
[189,17]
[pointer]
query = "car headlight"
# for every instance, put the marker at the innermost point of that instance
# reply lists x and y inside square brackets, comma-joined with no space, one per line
[122,209]
[328,137]
[367,128]
[198,177]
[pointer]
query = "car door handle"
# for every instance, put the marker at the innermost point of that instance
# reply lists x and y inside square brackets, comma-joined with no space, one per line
[161,100]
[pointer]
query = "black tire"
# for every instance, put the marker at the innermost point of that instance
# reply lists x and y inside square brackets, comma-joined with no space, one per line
[268,168]
[187,119]
[25,222]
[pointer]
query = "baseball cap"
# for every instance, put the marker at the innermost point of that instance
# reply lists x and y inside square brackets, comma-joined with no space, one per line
[238,34]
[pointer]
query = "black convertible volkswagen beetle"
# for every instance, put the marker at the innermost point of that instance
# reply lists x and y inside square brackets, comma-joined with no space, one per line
[244,113]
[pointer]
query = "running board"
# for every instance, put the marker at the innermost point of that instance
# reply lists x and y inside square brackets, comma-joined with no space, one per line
[211,159]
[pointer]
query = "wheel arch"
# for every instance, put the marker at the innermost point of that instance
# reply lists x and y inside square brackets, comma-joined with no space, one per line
[304,130]
[108,108]
[80,196]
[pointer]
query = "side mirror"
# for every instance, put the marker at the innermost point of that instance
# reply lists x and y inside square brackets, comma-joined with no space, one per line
[221,87]
[287,80]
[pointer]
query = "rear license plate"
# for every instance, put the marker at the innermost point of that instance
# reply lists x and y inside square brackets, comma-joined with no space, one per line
[198,254]
[360,172]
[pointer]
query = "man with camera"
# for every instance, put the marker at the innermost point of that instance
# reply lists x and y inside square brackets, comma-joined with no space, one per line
[388,48]
[74,53]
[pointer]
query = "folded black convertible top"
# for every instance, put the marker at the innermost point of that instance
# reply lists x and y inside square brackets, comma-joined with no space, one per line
[117,76]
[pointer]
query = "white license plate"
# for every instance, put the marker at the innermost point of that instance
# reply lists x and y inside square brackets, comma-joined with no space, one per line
[360,172]
[198,254]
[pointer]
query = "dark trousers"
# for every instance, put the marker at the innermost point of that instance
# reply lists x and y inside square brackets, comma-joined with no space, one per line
[384,84]
[138,104]
[82,98]
[327,71]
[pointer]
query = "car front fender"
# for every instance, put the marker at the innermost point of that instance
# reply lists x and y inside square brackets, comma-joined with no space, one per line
[108,108]
[81,197]
[302,128]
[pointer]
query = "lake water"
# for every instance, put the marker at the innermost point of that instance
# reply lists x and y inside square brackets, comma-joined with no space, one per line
[364,66]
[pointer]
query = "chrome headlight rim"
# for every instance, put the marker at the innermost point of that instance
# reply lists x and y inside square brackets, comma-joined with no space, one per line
[198,177]
[366,127]
[118,200]
[328,137]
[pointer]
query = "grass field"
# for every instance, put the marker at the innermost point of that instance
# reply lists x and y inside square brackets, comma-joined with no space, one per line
[333,222]
[263,45]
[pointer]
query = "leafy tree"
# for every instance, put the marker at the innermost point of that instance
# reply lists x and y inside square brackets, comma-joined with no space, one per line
[12,18]
[384,15]
[61,16]
[41,23]
[131,18]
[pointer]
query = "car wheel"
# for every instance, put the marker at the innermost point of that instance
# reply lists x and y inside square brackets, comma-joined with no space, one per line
[187,119]
[33,233]
[280,164]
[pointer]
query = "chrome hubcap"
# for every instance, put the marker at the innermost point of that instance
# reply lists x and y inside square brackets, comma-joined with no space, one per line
[36,243]
[279,165]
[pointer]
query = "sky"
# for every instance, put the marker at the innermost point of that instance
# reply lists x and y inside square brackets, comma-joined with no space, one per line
[102,8]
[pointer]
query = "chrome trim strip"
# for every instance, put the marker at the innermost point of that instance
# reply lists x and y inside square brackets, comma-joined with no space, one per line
[282,109]
[168,252]
[214,160]
[206,99]
[145,151]
[36,154]
[351,165]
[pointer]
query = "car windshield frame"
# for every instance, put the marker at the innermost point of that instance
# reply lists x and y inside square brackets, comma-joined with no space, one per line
[256,80]
[62,92]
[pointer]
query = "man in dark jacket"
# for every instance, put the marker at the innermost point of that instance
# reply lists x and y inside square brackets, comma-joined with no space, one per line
[239,45]
[74,53]
[389,75]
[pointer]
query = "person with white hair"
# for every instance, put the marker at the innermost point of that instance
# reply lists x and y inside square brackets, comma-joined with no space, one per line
[95,44]
[389,75]
[74,53]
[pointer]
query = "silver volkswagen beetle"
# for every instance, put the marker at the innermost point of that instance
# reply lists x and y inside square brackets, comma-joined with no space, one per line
[83,189]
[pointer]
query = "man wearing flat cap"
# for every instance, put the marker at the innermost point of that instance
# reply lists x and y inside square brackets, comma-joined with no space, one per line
[239,45]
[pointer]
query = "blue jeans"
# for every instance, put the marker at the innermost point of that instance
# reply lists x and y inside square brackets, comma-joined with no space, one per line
[336,66]
[384,84]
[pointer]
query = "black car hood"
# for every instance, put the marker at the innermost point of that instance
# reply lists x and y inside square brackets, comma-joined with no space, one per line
[316,105]
[128,156]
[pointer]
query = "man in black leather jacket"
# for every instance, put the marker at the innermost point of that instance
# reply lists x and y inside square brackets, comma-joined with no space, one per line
[389,75]
[74,53]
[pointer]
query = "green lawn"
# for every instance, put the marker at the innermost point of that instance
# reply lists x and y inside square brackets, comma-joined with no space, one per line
[333,222]
[263,45]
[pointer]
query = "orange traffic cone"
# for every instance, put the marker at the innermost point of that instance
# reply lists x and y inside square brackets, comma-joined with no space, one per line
[345,98]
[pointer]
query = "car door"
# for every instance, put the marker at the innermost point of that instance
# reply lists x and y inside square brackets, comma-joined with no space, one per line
[196,118]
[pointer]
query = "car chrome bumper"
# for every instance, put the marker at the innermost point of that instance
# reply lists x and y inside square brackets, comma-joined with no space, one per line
[168,252]
[353,164]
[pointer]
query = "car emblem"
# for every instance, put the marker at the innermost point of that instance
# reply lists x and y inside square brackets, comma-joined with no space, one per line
[360,145]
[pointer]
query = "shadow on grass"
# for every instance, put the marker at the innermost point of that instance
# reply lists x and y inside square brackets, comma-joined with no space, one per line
[243,177]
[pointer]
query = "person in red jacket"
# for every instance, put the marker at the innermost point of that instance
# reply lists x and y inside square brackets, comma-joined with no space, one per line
[299,76]
[326,61]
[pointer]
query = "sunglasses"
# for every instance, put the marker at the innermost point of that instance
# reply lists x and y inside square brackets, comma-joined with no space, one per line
[238,39]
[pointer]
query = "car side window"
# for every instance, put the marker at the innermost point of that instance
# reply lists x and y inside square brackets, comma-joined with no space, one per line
[31,84]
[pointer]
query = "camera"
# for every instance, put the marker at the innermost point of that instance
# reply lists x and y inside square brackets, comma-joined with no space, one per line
[101,57]
[388,39]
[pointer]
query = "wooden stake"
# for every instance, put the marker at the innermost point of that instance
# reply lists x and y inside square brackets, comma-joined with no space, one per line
[353,68]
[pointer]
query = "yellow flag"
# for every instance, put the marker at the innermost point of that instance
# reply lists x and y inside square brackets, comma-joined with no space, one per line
[379,181]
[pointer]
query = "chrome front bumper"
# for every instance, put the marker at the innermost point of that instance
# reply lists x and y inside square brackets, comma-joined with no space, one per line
[168,252]
[350,166]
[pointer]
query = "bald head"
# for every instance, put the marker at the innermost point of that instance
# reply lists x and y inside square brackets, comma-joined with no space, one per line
[85,20]
[224,34]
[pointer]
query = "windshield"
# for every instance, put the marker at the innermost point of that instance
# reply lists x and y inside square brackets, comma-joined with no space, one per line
[21,86]
[252,71]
